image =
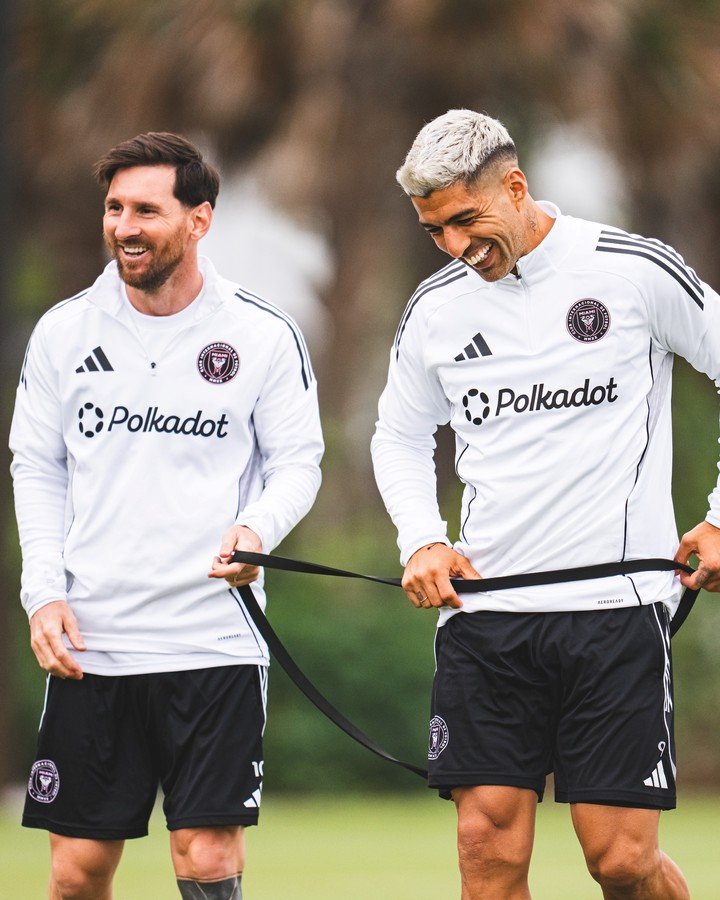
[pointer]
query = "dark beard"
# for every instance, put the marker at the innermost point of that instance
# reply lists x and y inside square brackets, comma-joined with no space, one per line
[153,279]
[156,275]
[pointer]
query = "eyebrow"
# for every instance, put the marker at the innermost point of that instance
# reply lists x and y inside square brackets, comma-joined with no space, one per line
[144,204]
[458,217]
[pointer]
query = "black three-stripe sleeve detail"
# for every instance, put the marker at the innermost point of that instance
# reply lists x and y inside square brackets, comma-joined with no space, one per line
[23,370]
[692,293]
[654,243]
[661,255]
[678,259]
[451,273]
[454,266]
[305,366]
[69,300]
[655,246]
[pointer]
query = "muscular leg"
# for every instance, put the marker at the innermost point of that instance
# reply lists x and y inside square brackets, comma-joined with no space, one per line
[209,862]
[82,869]
[496,827]
[622,853]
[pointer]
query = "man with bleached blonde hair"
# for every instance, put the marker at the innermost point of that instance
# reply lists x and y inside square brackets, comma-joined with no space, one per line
[547,344]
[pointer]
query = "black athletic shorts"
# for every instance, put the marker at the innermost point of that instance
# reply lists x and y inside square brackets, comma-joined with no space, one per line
[106,743]
[586,695]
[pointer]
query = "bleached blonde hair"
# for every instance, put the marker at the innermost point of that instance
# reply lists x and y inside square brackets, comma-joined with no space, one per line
[456,146]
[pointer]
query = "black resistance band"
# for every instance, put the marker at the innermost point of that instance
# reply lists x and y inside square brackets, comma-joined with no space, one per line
[461,586]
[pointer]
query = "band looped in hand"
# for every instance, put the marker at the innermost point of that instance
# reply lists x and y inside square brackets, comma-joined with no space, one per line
[246,600]
[502,582]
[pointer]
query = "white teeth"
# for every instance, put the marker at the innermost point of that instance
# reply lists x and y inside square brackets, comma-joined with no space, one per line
[134,251]
[479,256]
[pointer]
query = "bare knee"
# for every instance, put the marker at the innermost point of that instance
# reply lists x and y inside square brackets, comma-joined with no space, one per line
[622,866]
[81,876]
[82,869]
[489,849]
[72,883]
[208,853]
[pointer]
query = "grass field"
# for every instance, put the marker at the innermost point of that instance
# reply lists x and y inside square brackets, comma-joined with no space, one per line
[358,848]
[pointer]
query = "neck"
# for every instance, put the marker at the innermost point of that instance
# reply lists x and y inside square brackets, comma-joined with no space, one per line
[538,224]
[178,292]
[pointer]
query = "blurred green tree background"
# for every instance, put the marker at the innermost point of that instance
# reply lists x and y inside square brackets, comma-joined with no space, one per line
[318,100]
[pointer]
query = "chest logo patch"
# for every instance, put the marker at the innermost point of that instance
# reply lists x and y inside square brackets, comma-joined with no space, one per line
[218,362]
[588,320]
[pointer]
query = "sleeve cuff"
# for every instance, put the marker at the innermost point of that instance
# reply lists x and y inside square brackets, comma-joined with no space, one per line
[713,518]
[256,524]
[38,603]
[408,550]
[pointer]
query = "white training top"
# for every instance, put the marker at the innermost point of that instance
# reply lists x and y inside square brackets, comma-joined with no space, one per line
[138,442]
[557,385]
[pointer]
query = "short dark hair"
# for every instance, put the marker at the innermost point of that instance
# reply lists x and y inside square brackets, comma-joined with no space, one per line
[196,181]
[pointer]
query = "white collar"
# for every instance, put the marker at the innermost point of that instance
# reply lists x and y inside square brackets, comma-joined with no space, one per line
[106,290]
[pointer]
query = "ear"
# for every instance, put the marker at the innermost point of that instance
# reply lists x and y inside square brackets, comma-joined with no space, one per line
[516,183]
[200,221]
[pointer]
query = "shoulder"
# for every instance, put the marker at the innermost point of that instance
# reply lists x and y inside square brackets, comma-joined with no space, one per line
[66,310]
[448,283]
[102,294]
[246,306]
[649,258]
[48,337]
[54,329]
[269,321]
[647,262]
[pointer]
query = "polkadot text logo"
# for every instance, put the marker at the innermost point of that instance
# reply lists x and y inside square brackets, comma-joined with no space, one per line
[91,420]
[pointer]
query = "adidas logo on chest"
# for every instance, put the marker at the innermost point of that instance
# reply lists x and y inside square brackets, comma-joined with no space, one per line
[476,347]
[96,361]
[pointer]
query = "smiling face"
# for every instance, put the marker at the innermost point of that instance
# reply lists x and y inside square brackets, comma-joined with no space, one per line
[147,230]
[489,224]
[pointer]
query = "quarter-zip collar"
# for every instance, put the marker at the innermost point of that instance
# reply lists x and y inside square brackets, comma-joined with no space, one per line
[105,293]
[545,258]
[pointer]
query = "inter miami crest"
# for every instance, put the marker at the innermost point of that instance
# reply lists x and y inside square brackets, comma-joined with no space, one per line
[588,320]
[44,781]
[439,737]
[218,362]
